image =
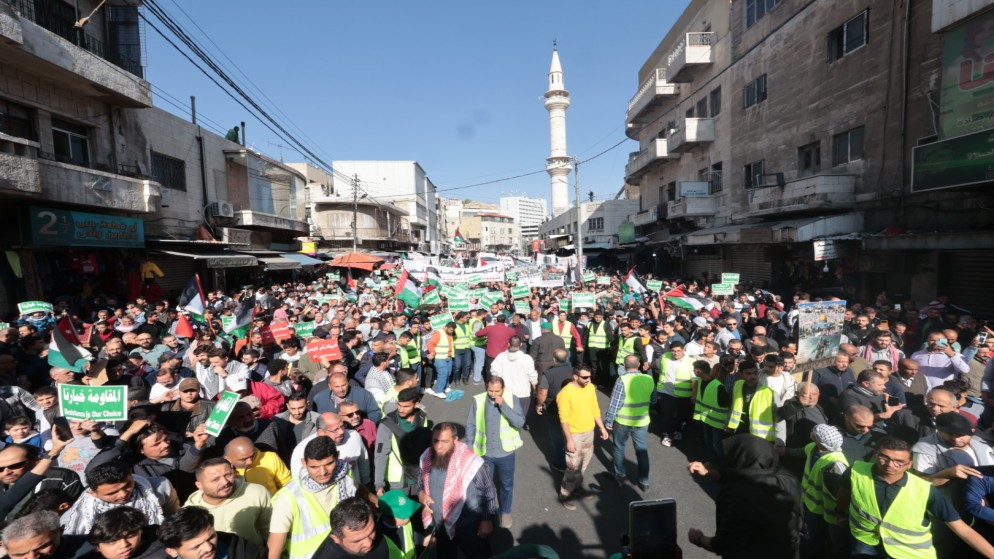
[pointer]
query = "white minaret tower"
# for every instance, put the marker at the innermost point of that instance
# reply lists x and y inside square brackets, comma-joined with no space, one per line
[558,164]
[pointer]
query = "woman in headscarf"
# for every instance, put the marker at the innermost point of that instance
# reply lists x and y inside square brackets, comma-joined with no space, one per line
[758,509]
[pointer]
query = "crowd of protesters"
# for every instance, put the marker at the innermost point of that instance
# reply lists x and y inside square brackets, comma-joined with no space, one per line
[331,454]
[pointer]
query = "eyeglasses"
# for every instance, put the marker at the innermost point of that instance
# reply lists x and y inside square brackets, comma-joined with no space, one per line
[884,459]
[353,414]
[583,378]
[16,466]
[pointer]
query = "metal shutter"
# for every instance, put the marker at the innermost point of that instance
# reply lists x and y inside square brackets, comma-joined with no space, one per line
[177,270]
[752,263]
[968,279]
[694,266]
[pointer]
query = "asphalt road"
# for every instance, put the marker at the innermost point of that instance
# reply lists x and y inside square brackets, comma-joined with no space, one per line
[594,530]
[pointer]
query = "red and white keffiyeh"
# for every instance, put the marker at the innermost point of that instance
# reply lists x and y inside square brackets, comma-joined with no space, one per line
[462,469]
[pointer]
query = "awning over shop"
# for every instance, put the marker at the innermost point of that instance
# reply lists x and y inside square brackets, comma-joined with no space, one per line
[216,259]
[272,260]
[715,235]
[304,259]
[809,229]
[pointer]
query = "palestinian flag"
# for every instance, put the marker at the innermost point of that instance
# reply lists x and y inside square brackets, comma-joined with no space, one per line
[192,298]
[433,278]
[568,276]
[632,283]
[244,312]
[408,290]
[689,301]
[65,354]
[459,238]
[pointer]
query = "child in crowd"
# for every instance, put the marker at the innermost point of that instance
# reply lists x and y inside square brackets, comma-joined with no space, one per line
[20,430]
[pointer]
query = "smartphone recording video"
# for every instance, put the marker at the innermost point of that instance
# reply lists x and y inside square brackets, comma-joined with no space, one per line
[652,528]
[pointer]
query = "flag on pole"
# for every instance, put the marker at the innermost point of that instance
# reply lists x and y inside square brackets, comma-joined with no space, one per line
[65,354]
[243,318]
[433,279]
[192,298]
[568,276]
[459,238]
[68,330]
[632,283]
[183,328]
[689,301]
[408,290]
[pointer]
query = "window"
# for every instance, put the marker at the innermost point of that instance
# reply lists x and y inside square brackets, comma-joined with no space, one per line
[757,9]
[16,120]
[169,171]
[754,92]
[596,224]
[808,159]
[124,36]
[690,113]
[671,191]
[715,99]
[847,146]
[754,174]
[716,177]
[852,35]
[702,108]
[71,143]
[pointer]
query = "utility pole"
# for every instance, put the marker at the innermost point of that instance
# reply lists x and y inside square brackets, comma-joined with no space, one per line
[579,232]
[355,210]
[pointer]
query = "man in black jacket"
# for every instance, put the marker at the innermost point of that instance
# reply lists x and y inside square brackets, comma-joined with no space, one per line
[25,473]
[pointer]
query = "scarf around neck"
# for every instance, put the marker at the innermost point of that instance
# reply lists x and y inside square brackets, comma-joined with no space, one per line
[79,519]
[308,484]
[463,467]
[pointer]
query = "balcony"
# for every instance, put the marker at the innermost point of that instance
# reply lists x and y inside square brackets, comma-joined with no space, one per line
[693,132]
[251,219]
[818,192]
[691,55]
[72,57]
[74,184]
[653,91]
[646,217]
[19,170]
[693,206]
[640,162]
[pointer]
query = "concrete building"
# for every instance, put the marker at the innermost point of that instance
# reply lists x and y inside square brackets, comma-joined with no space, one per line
[528,213]
[331,209]
[406,185]
[600,225]
[94,181]
[490,232]
[774,142]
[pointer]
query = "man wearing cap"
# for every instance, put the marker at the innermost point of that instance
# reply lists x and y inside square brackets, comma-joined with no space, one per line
[193,409]
[396,513]
[951,455]
[441,350]
[543,348]
[824,466]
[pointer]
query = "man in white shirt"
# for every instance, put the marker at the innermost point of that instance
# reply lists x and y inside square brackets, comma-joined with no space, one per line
[234,373]
[939,362]
[517,368]
[349,443]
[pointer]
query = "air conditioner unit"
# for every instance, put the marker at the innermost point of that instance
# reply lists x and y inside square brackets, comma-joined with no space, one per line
[221,209]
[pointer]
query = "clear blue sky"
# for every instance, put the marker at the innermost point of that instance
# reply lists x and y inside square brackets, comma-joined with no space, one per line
[456,86]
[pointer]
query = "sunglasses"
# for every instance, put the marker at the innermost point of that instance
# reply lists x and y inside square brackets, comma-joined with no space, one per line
[353,414]
[584,378]
[16,466]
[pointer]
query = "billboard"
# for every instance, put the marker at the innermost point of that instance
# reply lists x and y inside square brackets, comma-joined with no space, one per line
[967,101]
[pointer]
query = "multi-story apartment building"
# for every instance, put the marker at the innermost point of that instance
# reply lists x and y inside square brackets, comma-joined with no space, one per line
[94,181]
[777,137]
[404,184]
[601,224]
[490,232]
[528,213]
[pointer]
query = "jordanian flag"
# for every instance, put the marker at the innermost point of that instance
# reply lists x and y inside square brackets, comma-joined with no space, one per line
[689,301]
[65,354]
[632,283]
[192,298]
[239,327]
[459,238]
[408,290]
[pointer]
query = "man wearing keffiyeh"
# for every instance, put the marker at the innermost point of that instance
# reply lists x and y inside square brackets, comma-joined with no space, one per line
[459,497]
[113,485]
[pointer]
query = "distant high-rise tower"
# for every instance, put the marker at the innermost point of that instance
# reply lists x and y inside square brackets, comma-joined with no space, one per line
[558,164]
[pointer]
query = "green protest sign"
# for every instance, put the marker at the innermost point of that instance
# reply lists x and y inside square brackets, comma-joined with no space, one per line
[322,299]
[477,293]
[227,320]
[333,276]
[4,325]
[565,305]
[491,297]
[521,291]
[511,276]
[97,403]
[584,300]
[459,303]
[654,285]
[439,321]
[722,289]
[603,280]
[522,305]
[29,307]
[222,411]
[729,278]
[431,298]
[304,329]
[589,277]
[474,278]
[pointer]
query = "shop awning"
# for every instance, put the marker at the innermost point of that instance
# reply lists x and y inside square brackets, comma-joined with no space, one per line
[304,259]
[278,263]
[216,259]
[809,229]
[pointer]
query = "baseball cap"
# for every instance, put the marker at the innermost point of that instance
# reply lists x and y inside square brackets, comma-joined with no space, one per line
[166,356]
[189,384]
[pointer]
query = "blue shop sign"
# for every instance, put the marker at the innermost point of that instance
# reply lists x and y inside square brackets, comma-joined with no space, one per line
[52,227]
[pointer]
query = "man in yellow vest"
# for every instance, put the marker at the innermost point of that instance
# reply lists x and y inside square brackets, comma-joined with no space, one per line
[441,350]
[628,344]
[599,336]
[396,512]
[390,469]
[711,403]
[409,347]
[628,415]
[493,428]
[889,511]
[465,337]
[824,466]
[753,409]
[674,388]
[479,347]
[562,327]
[355,534]
[299,524]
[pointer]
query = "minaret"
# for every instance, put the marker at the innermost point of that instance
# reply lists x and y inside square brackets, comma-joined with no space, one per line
[558,164]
